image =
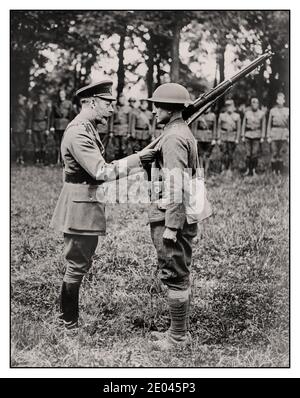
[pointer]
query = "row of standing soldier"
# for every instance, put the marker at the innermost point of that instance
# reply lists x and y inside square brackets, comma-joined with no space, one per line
[131,128]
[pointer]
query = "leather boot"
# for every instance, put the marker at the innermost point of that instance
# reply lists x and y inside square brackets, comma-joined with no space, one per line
[69,305]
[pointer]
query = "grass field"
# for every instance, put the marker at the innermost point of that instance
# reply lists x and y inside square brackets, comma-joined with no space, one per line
[240,312]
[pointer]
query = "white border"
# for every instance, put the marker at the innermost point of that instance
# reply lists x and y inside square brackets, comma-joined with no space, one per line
[4,216]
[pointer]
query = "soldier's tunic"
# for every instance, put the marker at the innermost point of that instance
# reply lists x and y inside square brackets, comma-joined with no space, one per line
[253,125]
[141,128]
[278,131]
[19,125]
[177,151]
[80,210]
[204,129]
[61,115]
[39,123]
[228,124]
[119,126]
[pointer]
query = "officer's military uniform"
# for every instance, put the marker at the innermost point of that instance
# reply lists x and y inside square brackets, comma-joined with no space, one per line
[119,126]
[253,131]
[204,130]
[80,210]
[19,125]
[62,113]
[278,131]
[228,132]
[40,124]
[140,128]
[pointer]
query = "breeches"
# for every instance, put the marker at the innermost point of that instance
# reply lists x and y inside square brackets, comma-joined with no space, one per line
[19,140]
[58,137]
[39,140]
[204,149]
[174,258]
[79,250]
[228,149]
[278,149]
[252,148]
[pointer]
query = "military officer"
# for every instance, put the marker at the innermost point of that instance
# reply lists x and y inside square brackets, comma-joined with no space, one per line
[278,132]
[253,133]
[205,130]
[170,232]
[61,114]
[19,127]
[228,132]
[140,127]
[119,126]
[80,210]
[39,124]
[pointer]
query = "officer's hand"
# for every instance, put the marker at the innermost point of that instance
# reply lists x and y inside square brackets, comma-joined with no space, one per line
[213,142]
[147,155]
[269,139]
[262,140]
[170,234]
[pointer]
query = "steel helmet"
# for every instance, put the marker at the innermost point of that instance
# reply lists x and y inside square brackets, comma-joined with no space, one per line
[171,93]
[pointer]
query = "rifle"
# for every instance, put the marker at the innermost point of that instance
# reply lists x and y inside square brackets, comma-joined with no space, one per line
[206,100]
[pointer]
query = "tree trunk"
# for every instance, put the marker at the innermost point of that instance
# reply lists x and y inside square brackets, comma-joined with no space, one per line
[175,53]
[221,66]
[121,68]
[157,63]
[19,74]
[150,65]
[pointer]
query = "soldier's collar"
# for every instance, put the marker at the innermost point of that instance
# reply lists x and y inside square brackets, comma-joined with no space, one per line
[176,116]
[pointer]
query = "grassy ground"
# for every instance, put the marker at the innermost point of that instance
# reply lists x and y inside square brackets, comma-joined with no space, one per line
[240,278]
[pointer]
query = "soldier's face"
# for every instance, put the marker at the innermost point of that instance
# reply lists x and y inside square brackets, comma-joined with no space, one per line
[62,95]
[103,108]
[161,115]
[254,104]
[280,100]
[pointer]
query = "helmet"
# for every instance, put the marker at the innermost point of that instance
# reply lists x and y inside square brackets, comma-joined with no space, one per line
[171,93]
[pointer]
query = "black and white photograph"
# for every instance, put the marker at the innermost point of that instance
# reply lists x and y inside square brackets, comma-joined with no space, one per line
[149,188]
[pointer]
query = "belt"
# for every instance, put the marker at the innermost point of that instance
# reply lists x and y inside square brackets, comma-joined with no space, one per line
[75,179]
[142,128]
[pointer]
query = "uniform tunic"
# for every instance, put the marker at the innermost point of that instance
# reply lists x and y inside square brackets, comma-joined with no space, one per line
[141,124]
[81,206]
[19,125]
[203,127]
[228,126]
[62,113]
[254,123]
[177,152]
[279,123]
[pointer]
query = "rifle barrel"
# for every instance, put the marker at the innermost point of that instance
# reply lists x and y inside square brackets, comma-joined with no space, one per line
[220,89]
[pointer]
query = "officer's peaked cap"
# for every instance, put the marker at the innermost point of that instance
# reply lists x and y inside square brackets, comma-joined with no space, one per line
[171,93]
[102,89]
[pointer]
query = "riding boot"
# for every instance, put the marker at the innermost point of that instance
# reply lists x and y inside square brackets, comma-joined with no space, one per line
[69,299]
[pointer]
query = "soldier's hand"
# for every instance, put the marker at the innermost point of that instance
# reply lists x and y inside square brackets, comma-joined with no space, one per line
[29,131]
[147,155]
[111,135]
[213,142]
[269,139]
[170,234]
[52,129]
[219,142]
[47,132]
[262,140]
[243,139]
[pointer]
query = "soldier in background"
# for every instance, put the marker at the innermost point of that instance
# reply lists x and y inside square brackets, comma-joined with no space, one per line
[61,114]
[140,126]
[204,130]
[39,124]
[253,132]
[278,132]
[119,126]
[19,126]
[156,129]
[228,132]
